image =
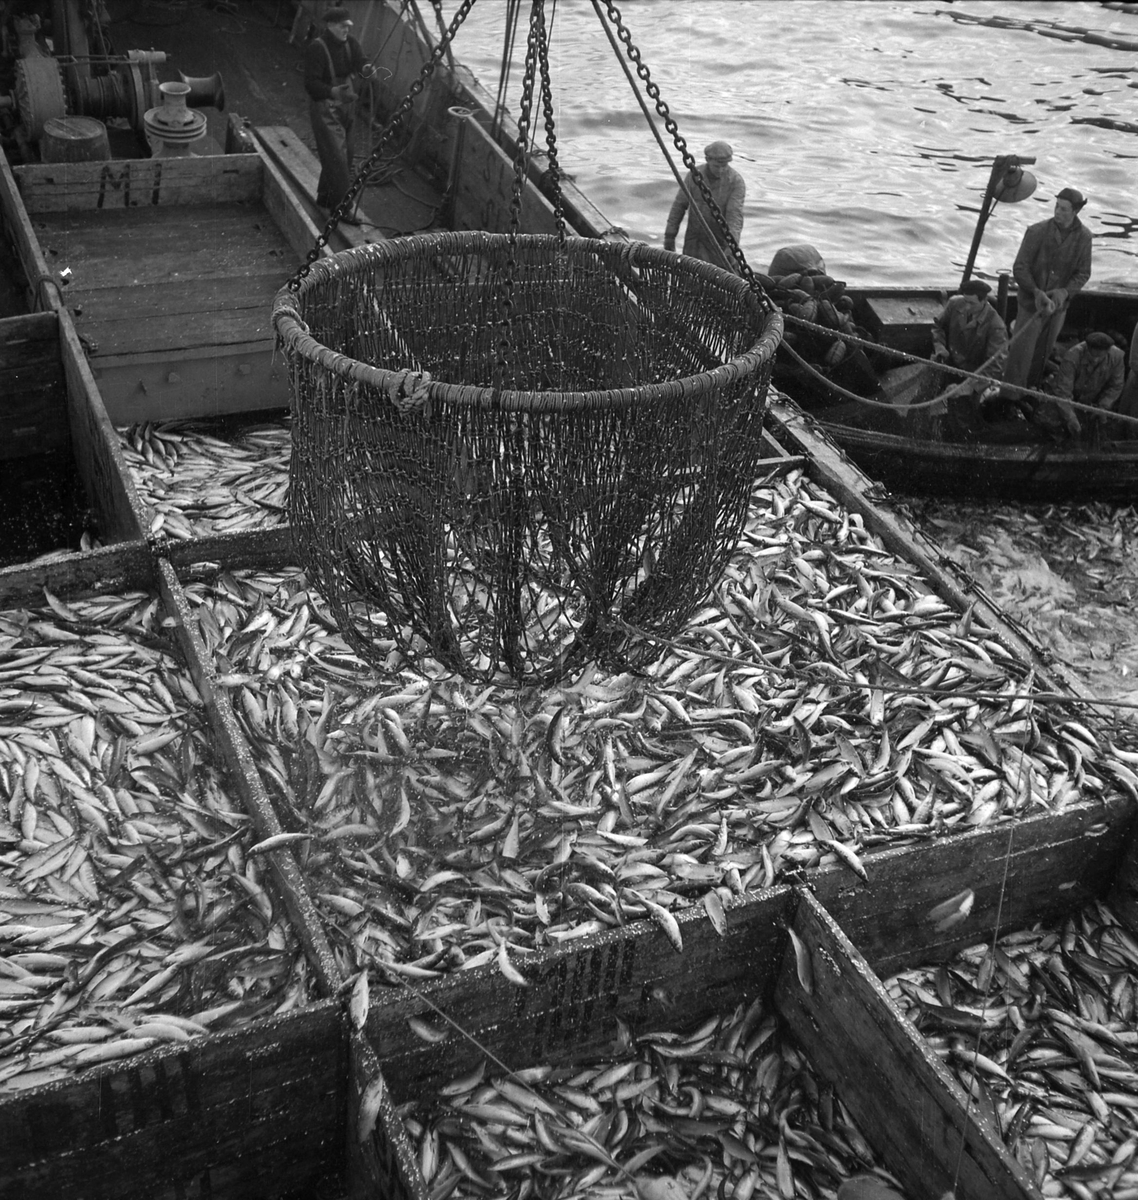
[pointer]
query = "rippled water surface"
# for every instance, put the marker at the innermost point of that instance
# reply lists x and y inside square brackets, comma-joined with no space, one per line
[867,128]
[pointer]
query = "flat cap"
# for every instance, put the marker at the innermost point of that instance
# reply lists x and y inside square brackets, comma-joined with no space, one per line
[718,150]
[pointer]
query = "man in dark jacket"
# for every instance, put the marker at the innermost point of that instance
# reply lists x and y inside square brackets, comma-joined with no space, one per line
[1091,373]
[971,335]
[330,62]
[703,238]
[969,332]
[1053,263]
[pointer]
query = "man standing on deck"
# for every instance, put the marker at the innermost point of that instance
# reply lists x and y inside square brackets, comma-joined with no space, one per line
[704,237]
[330,62]
[1053,263]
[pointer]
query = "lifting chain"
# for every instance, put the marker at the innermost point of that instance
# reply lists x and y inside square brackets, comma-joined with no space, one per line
[681,145]
[393,126]
[537,58]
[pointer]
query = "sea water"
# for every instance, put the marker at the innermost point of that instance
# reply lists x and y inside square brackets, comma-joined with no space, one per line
[865,128]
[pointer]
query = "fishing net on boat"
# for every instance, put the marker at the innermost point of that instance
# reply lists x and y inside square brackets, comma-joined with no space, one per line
[510,453]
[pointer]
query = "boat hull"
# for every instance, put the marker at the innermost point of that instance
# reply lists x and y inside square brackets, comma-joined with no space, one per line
[1031,470]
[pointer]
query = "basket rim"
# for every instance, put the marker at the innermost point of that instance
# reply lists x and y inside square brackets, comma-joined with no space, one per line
[293,333]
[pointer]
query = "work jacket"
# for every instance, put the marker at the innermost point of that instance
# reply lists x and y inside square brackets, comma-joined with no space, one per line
[969,338]
[1050,258]
[328,62]
[728,192]
[1089,379]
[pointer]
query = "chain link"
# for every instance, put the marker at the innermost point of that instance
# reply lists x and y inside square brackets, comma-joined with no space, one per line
[521,162]
[551,134]
[653,91]
[393,126]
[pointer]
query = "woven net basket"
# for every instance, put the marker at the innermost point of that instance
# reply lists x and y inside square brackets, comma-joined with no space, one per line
[520,486]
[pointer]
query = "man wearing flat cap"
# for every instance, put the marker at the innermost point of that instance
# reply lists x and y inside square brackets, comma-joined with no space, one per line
[969,332]
[331,61]
[1053,263]
[704,238]
[1091,373]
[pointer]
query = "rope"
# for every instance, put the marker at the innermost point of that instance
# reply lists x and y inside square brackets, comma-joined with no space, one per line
[904,356]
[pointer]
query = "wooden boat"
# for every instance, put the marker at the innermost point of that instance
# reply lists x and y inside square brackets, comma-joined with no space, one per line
[1013,459]
[303,1104]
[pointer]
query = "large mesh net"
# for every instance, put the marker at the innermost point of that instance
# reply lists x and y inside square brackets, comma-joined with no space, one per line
[520,454]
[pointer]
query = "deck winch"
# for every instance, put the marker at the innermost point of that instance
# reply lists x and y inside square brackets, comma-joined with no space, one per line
[520,453]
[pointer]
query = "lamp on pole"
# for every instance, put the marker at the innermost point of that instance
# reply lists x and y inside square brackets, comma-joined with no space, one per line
[1008,182]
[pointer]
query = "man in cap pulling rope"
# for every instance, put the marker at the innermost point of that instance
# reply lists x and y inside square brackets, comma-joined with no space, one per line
[1053,263]
[703,236]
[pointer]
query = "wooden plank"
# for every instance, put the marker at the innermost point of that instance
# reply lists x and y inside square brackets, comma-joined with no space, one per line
[34,335]
[238,757]
[901,1097]
[1123,898]
[228,327]
[41,282]
[484,189]
[202,381]
[139,183]
[256,549]
[576,993]
[287,211]
[95,446]
[168,245]
[384,1163]
[830,467]
[1036,869]
[197,295]
[258,1110]
[33,413]
[122,568]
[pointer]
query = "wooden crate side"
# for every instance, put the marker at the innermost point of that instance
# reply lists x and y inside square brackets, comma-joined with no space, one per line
[95,446]
[379,1157]
[287,211]
[1020,872]
[126,567]
[1123,897]
[255,1112]
[138,183]
[900,1095]
[239,759]
[43,289]
[575,995]
[33,412]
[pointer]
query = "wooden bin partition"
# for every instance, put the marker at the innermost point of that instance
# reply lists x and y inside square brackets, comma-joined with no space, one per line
[33,416]
[94,442]
[1031,869]
[257,1112]
[253,1114]
[901,1096]
[569,1007]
